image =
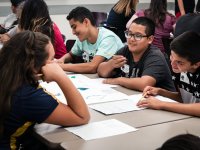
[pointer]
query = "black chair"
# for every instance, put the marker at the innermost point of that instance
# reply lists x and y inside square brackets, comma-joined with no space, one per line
[166,43]
[70,44]
[100,17]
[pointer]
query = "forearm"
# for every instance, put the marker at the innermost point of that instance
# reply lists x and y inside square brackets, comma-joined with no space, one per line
[188,109]
[105,70]
[181,7]
[74,99]
[133,83]
[80,68]
[172,95]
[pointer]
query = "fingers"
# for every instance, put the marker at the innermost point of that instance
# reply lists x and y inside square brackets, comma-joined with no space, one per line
[118,61]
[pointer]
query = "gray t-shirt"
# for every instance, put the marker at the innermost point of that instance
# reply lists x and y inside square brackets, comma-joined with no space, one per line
[152,63]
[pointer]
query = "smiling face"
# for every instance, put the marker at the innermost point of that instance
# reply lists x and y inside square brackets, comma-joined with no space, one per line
[180,64]
[79,29]
[140,45]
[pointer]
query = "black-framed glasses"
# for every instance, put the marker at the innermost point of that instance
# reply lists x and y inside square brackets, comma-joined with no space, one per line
[136,37]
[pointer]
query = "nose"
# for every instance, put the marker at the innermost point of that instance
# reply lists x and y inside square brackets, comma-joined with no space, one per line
[73,31]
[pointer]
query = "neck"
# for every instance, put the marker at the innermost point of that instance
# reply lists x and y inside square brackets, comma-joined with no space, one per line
[93,34]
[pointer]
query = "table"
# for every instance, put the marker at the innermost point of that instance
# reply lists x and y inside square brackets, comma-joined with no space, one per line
[53,135]
[146,138]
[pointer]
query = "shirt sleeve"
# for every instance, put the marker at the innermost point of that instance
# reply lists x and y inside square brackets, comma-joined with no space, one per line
[107,47]
[38,105]
[77,48]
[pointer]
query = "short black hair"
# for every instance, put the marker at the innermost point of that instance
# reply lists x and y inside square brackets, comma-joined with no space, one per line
[187,45]
[182,142]
[80,13]
[148,23]
[16,2]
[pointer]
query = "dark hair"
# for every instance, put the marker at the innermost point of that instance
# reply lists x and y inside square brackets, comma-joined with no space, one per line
[187,45]
[20,57]
[182,142]
[16,2]
[157,11]
[35,17]
[148,23]
[80,13]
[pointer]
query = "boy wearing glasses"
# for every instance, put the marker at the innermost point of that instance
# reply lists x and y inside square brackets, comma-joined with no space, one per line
[138,64]
[94,45]
[185,61]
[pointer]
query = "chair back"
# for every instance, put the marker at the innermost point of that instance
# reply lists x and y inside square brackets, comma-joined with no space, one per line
[100,17]
[70,44]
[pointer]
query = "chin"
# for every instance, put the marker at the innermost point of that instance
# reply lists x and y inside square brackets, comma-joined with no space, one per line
[176,70]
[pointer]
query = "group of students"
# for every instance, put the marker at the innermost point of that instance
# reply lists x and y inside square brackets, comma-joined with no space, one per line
[138,65]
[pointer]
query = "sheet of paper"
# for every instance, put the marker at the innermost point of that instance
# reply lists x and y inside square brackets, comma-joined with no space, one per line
[99,82]
[118,106]
[122,106]
[54,90]
[92,96]
[101,129]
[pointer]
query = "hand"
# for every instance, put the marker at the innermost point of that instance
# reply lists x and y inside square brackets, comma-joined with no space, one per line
[4,38]
[149,90]
[52,72]
[151,102]
[117,61]
[113,81]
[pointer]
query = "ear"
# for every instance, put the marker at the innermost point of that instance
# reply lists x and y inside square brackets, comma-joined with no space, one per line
[86,21]
[197,65]
[150,39]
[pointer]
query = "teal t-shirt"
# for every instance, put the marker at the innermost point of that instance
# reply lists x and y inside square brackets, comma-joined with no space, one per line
[107,44]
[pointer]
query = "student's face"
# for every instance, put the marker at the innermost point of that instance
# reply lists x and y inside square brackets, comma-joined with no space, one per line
[138,46]
[180,64]
[79,29]
[49,48]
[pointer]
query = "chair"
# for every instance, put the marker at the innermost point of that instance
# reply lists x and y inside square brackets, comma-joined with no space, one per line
[99,17]
[70,44]
[166,43]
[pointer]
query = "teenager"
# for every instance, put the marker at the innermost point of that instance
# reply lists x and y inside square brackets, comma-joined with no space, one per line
[23,59]
[185,61]
[94,45]
[138,64]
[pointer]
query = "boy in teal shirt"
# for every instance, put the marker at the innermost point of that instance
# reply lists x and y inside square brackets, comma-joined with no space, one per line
[94,45]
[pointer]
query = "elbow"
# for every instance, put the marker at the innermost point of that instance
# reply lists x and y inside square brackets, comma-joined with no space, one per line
[85,119]
[102,74]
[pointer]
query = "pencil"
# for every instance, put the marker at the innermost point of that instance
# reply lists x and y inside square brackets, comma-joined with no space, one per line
[143,97]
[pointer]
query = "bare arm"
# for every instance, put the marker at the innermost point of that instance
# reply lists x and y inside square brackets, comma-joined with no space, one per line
[66,58]
[130,21]
[76,112]
[188,109]
[133,83]
[90,67]
[181,7]
[105,69]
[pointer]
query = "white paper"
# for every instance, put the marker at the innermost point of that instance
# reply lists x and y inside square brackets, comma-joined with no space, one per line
[118,106]
[99,82]
[123,105]
[101,129]
[92,96]
[54,90]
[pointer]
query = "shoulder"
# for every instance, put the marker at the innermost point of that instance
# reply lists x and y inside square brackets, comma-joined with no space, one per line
[123,51]
[107,34]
